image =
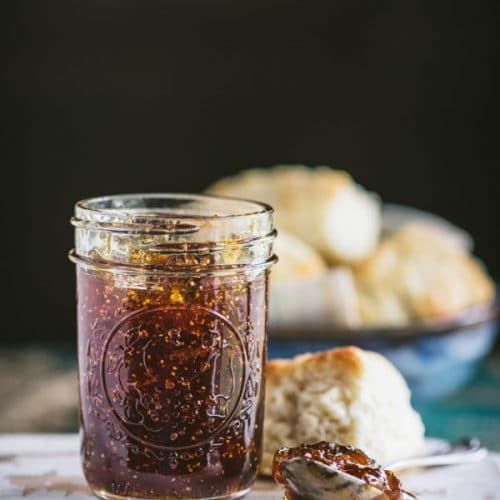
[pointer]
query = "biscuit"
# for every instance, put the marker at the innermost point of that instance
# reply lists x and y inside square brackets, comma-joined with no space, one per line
[297,260]
[321,206]
[345,395]
[419,274]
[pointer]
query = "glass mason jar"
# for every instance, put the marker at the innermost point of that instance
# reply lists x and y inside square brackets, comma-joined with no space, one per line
[172,322]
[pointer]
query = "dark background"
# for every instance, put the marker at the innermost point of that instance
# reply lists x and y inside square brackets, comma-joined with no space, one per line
[119,96]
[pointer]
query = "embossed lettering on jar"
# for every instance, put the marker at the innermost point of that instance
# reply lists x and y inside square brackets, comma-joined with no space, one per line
[172,321]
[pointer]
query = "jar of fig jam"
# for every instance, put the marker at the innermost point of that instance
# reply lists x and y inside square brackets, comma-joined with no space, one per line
[172,320]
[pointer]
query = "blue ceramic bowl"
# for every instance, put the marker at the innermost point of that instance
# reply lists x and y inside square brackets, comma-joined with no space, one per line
[436,359]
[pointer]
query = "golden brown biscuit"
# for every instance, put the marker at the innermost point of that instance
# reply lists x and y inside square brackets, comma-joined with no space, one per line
[419,273]
[296,260]
[345,395]
[321,206]
[330,299]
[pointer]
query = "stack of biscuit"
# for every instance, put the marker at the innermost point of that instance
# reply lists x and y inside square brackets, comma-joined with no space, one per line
[336,267]
[344,262]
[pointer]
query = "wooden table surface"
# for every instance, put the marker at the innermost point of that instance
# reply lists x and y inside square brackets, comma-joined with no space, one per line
[48,466]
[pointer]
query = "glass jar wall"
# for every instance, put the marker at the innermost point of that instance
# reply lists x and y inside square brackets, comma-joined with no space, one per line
[172,321]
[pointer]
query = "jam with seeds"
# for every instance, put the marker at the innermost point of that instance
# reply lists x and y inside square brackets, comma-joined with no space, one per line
[346,459]
[171,371]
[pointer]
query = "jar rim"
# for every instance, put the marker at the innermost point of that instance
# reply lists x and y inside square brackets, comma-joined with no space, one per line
[156,229]
[135,209]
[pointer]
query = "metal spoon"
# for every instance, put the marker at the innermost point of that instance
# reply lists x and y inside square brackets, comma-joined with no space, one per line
[465,451]
[311,480]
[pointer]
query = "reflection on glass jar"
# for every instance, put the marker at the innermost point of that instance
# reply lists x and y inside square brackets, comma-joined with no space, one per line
[172,320]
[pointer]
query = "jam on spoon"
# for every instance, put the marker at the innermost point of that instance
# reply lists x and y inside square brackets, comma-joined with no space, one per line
[331,471]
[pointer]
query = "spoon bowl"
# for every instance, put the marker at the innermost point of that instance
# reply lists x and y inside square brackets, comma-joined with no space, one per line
[312,480]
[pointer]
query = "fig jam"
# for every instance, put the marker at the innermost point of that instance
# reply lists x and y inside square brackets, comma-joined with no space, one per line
[171,373]
[346,459]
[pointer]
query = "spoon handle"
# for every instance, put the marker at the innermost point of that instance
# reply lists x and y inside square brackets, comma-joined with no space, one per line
[465,451]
